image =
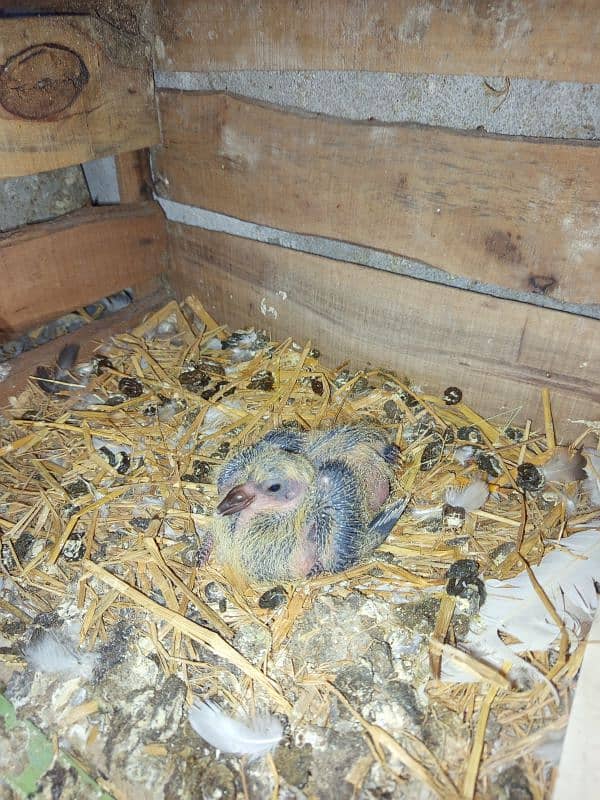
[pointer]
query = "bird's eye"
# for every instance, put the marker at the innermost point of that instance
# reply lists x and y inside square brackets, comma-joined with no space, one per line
[274,487]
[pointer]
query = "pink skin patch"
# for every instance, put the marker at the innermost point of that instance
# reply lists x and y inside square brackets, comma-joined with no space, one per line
[381,492]
[305,556]
[265,502]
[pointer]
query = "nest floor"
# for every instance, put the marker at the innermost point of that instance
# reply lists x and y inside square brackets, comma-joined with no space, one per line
[106,496]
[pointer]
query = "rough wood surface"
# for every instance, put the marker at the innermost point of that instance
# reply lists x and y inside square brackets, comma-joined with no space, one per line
[531,38]
[148,297]
[54,267]
[499,352]
[134,176]
[72,88]
[523,214]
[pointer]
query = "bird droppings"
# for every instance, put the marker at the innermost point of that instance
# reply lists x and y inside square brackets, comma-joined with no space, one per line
[452,395]
[529,477]
[130,387]
[273,598]
[105,517]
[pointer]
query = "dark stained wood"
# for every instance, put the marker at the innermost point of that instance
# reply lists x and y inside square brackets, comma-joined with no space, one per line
[499,352]
[134,176]
[531,38]
[522,214]
[148,297]
[73,88]
[55,267]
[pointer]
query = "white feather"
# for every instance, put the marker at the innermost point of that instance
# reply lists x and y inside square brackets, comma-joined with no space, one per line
[592,482]
[567,576]
[464,454]
[564,467]
[557,495]
[471,498]
[426,512]
[5,369]
[47,653]
[254,738]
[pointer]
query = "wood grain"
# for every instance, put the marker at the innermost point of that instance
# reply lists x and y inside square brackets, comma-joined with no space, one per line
[73,89]
[532,38]
[522,214]
[134,176]
[148,297]
[55,267]
[501,353]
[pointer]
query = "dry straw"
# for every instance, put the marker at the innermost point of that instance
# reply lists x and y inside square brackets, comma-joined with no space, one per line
[117,491]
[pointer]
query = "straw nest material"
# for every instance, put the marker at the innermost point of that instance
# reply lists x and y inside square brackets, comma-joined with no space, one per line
[106,502]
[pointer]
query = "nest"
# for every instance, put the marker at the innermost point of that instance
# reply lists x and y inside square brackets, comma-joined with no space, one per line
[106,502]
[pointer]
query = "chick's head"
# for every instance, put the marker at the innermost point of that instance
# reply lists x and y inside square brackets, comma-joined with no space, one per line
[265,480]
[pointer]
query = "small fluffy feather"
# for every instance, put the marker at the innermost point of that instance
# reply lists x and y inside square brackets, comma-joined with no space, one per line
[564,467]
[592,482]
[47,653]
[471,498]
[254,738]
[464,454]
[569,500]
[567,575]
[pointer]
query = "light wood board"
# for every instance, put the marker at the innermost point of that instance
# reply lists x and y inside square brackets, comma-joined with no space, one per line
[499,352]
[531,38]
[149,296]
[517,213]
[579,770]
[101,76]
[54,267]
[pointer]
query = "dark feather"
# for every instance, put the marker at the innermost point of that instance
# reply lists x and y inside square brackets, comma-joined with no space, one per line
[288,439]
[45,377]
[339,514]
[383,523]
[67,356]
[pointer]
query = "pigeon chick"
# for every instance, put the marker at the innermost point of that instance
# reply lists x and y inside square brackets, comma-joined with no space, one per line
[294,504]
[366,450]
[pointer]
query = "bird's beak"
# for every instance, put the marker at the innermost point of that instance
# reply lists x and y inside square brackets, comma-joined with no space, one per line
[235,500]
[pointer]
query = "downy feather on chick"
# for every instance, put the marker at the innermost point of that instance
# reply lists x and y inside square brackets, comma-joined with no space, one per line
[295,504]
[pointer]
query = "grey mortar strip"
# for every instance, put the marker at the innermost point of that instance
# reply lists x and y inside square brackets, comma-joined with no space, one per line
[355,254]
[529,108]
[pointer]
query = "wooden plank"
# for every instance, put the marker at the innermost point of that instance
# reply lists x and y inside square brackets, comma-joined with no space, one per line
[499,352]
[579,770]
[522,214]
[72,88]
[134,176]
[148,297]
[54,267]
[532,38]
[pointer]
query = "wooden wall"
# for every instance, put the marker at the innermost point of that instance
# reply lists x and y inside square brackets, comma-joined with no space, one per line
[508,212]
[54,267]
[528,38]
[72,88]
